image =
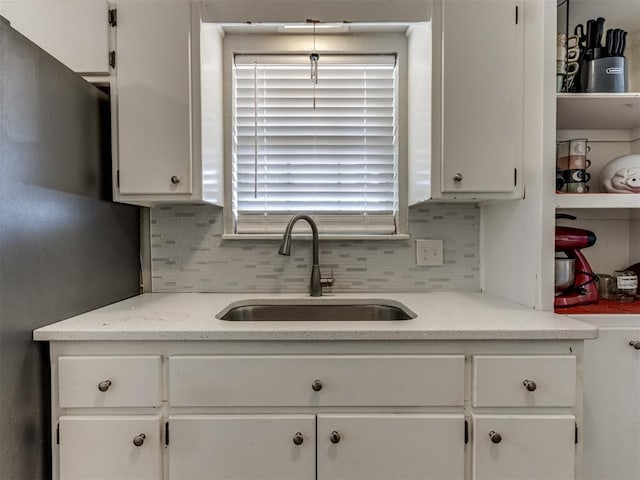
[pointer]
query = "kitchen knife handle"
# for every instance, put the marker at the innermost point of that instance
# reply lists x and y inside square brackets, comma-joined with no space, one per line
[623,43]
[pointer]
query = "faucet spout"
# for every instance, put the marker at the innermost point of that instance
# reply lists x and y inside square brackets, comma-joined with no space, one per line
[316,282]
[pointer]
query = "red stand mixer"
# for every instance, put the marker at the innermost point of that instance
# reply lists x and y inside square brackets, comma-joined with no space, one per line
[584,289]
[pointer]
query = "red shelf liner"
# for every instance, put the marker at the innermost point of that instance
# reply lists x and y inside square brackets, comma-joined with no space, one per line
[603,307]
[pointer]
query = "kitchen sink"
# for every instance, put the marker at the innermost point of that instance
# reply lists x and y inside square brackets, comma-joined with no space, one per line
[316,311]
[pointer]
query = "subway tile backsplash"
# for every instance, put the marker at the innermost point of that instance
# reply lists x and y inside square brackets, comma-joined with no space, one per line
[189,255]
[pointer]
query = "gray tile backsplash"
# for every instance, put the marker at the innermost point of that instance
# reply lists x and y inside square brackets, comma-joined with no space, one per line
[189,255]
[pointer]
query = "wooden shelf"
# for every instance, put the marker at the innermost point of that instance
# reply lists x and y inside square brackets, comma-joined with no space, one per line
[598,111]
[597,200]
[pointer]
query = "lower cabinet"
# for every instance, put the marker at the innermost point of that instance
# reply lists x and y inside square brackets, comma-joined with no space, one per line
[109,447]
[352,412]
[345,446]
[523,447]
[612,401]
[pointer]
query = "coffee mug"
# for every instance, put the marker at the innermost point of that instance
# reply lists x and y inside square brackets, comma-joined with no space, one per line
[571,166]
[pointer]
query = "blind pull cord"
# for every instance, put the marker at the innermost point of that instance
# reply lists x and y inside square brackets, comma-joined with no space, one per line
[255,130]
[313,58]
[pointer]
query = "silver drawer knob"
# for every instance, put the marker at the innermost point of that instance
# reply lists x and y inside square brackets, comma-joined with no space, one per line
[334,437]
[298,439]
[457,177]
[316,385]
[495,437]
[635,344]
[530,385]
[104,385]
[175,180]
[138,440]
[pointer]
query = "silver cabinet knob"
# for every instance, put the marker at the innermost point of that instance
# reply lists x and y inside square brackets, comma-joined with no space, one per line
[316,385]
[138,440]
[334,437]
[530,385]
[298,439]
[495,437]
[104,385]
[457,177]
[175,180]
[635,344]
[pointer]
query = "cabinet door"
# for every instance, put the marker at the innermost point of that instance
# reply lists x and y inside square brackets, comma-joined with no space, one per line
[76,32]
[102,447]
[390,447]
[523,447]
[482,95]
[242,447]
[154,95]
[612,405]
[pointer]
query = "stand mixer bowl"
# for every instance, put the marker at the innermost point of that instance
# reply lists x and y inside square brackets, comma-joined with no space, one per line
[565,270]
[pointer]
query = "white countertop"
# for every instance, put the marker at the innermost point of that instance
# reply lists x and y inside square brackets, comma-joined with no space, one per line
[440,316]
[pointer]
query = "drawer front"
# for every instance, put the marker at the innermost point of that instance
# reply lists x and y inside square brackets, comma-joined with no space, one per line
[126,381]
[524,381]
[316,380]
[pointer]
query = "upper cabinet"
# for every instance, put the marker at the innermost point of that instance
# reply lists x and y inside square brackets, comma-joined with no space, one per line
[478,99]
[159,156]
[76,32]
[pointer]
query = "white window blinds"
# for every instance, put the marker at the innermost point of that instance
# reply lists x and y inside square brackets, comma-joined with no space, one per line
[329,150]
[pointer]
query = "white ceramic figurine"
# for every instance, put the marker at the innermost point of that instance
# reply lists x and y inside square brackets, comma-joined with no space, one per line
[621,175]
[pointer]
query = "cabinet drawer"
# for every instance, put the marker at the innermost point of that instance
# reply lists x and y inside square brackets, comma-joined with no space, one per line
[524,381]
[127,381]
[316,380]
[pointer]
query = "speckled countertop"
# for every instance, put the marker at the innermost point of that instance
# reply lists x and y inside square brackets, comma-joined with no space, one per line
[439,316]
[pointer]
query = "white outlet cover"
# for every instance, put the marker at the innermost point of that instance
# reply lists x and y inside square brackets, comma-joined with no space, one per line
[429,253]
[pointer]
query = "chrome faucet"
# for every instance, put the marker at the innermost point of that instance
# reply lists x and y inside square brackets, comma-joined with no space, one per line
[317,282]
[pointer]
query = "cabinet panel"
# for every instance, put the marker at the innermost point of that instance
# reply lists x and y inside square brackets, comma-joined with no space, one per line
[530,447]
[153,75]
[102,448]
[612,405]
[391,447]
[76,32]
[242,447]
[118,381]
[499,381]
[482,95]
[289,380]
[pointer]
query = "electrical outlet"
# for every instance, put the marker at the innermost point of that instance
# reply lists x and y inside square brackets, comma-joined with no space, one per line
[429,253]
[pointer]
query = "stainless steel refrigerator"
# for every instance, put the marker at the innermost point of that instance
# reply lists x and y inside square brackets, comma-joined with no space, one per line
[65,248]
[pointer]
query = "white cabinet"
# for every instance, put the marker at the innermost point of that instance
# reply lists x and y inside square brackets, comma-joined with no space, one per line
[390,446]
[242,447]
[153,79]
[76,32]
[479,112]
[315,410]
[523,447]
[110,447]
[159,138]
[612,400]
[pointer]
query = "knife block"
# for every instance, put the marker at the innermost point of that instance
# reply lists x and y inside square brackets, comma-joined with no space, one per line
[605,75]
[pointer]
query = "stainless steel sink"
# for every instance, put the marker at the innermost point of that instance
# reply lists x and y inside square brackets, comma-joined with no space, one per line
[316,311]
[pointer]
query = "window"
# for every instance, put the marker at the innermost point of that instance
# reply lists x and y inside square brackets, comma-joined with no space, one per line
[328,149]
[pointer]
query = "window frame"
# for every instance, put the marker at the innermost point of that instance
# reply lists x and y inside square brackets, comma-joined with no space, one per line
[358,43]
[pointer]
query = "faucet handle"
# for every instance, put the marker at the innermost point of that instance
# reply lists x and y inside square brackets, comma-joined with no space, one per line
[327,281]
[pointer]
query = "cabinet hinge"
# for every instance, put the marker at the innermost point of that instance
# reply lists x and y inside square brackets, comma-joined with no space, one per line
[576,439]
[113,17]
[118,178]
[515,177]
[466,432]
[112,58]
[517,14]
[58,435]
[166,433]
